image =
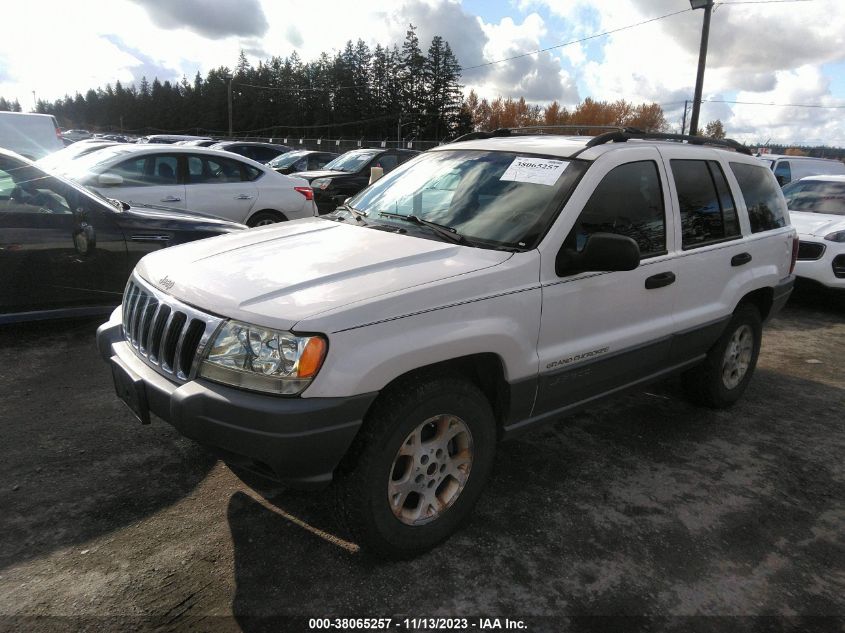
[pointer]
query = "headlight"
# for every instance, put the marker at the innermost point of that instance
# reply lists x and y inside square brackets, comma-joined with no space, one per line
[838,236]
[321,183]
[262,359]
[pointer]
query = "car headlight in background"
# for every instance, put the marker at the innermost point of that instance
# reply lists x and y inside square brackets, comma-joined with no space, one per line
[262,359]
[838,236]
[321,183]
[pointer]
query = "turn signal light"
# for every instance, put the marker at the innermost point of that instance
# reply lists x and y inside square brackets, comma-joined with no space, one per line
[794,253]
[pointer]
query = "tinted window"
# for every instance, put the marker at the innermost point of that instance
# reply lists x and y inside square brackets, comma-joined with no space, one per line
[783,173]
[707,208]
[213,169]
[132,171]
[163,170]
[628,201]
[816,196]
[387,162]
[317,162]
[766,209]
[263,154]
[24,189]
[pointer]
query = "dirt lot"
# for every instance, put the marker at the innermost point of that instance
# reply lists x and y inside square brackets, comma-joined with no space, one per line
[645,506]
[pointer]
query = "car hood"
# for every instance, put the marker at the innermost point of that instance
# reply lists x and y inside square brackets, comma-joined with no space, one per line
[321,173]
[818,224]
[281,274]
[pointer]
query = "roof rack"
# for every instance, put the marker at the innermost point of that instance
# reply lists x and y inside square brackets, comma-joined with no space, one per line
[513,131]
[625,134]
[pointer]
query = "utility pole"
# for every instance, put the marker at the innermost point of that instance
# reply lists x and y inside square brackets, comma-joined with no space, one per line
[230,105]
[684,120]
[707,5]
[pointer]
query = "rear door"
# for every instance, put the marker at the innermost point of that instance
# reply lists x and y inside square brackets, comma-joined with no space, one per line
[714,263]
[219,186]
[602,330]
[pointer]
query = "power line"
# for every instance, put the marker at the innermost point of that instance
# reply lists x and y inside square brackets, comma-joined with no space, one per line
[760,1]
[777,105]
[583,39]
[329,89]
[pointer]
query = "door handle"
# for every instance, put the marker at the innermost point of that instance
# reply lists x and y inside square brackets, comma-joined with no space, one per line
[171,199]
[659,280]
[739,260]
[244,196]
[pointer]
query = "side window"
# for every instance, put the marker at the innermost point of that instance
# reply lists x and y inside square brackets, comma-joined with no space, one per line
[783,173]
[387,162]
[24,189]
[252,173]
[302,165]
[263,154]
[222,170]
[628,201]
[164,169]
[708,212]
[763,199]
[317,162]
[132,172]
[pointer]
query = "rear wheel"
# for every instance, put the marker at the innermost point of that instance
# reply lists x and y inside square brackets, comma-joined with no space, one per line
[418,466]
[263,218]
[723,377]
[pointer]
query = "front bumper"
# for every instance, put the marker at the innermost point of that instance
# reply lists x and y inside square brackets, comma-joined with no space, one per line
[299,441]
[822,270]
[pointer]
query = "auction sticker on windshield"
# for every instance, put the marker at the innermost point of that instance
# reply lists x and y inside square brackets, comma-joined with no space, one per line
[540,171]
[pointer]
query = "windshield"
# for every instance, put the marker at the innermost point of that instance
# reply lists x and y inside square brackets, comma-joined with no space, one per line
[286,160]
[350,161]
[497,198]
[816,196]
[82,165]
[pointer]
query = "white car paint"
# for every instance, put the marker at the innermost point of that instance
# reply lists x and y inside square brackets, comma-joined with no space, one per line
[30,135]
[238,201]
[390,303]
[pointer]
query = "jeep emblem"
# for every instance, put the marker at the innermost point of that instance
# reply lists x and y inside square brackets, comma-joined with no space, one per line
[166,283]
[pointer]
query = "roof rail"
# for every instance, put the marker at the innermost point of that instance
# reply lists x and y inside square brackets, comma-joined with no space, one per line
[621,136]
[513,131]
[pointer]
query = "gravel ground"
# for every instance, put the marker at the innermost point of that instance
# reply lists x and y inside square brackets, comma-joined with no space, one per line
[645,508]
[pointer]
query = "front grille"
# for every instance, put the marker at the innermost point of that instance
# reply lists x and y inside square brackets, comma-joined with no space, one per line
[810,250]
[167,334]
[839,266]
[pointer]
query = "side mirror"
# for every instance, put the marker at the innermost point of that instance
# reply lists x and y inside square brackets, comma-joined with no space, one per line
[602,252]
[376,173]
[110,180]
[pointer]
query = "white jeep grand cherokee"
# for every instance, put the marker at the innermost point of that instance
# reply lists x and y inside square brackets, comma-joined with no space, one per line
[479,290]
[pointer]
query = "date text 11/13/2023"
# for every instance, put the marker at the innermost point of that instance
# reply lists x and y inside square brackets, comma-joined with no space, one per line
[416,624]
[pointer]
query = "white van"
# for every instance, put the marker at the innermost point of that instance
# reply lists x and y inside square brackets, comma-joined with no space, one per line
[30,135]
[789,168]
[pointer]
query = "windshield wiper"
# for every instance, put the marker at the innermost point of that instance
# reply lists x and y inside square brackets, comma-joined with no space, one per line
[444,231]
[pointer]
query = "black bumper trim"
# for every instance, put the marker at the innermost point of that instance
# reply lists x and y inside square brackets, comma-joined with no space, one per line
[781,294]
[299,441]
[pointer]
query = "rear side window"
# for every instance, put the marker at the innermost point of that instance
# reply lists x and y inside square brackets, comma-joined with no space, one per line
[708,212]
[213,170]
[783,173]
[766,208]
[628,201]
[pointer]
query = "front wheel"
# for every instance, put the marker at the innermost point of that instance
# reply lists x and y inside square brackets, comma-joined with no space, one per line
[417,467]
[723,377]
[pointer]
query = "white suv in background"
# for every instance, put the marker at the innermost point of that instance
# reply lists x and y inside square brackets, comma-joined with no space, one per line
[209,181]
[479,290]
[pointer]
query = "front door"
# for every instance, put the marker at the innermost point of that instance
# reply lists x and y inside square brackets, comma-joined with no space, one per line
[602,330]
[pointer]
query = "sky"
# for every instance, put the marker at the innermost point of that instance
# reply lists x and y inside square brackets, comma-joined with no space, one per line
[788,53]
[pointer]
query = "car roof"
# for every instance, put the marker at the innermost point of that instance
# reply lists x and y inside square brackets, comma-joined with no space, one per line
[790,157]
[568,146]
[158,148]
[824,177]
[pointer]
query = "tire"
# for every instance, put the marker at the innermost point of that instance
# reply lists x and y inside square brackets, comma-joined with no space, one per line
[263,218]
[401,465]
[723,377]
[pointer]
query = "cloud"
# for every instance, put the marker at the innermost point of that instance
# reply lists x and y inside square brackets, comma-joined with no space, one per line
[145,65]
[210,18]
[293,36]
